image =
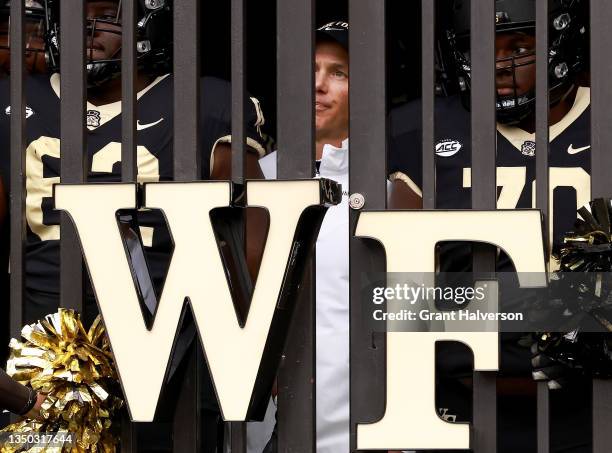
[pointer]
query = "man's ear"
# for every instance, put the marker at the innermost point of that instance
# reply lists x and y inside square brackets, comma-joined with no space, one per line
[221,163]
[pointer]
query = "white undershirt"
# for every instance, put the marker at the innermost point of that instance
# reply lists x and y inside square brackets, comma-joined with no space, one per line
[332,309]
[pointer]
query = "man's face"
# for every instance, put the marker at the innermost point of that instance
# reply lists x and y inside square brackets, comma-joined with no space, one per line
[521,46]
[332,87]
[103,41]
[34,42]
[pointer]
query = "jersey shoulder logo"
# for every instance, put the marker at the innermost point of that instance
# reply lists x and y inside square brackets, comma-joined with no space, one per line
[528,148]
[141,127]
[29,111]
[93,118]
[448,147]
[572,150]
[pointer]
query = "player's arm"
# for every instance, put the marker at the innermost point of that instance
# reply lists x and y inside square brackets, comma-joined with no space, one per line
[403,193]
[222,163]
[221,157]
[404,160]
[221,169]
[19,399]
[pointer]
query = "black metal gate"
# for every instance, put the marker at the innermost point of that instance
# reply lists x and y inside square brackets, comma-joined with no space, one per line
[368,115]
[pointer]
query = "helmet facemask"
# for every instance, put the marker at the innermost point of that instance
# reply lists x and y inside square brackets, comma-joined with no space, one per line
[101,71]
[35,36]
[566,57]
[153,36]
[514,107]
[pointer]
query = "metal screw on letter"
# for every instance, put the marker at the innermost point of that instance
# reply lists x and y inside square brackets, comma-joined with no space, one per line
[154,4]
[561,70]
[143,46]
[356,201]
[562,21]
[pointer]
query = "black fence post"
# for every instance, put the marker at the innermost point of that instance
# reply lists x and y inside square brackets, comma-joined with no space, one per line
[17,187]
[367,177]
[542,188]
[601,183]
[129,165]
[484,191]
[73,160]
[296,145]
[187,165]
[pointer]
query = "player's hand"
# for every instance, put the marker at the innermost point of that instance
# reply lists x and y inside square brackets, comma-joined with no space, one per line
[35,412]
[556,374]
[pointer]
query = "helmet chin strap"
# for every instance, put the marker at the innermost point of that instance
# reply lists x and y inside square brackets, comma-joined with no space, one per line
[567,93]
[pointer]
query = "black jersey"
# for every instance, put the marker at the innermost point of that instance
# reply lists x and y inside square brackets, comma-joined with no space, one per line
[154,155]
[569,159]
[569,170]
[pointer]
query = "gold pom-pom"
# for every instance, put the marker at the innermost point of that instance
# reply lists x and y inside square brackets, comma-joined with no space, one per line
[75,369]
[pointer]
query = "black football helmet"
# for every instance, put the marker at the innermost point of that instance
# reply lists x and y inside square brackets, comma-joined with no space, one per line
[153,40]
[567,52]
[35,29]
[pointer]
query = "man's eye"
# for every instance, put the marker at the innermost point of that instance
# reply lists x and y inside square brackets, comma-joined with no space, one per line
[340,74]
[522,50]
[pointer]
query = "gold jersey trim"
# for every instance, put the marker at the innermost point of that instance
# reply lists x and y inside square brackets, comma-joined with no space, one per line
[518,136]
[107,111]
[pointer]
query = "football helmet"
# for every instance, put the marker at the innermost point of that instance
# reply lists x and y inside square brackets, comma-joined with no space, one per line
[153,39]
[567,51]
[35,30]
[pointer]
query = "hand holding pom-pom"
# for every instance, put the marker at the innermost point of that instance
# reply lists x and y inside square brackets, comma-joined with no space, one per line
[73,372]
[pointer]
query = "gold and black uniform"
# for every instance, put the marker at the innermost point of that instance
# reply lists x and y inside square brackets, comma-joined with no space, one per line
[103,156]
[154,149]
[570,181]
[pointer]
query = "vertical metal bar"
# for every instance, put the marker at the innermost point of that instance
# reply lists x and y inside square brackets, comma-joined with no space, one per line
[17,180]
[543,418]
[602,407]
[601,183]
[238,90]
[601,94]
[187,167]
[186,424]
[542,186]
[129,435]
[483,195]
[296,374]
[542,108]
[238,431]
[367,176]
[428,24]
[483,104]
[295,111]
[129,167]
[295,81]
[73,155]
[186,90]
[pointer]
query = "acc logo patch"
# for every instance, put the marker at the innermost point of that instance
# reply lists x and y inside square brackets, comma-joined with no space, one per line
[448,147]
[29,111]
